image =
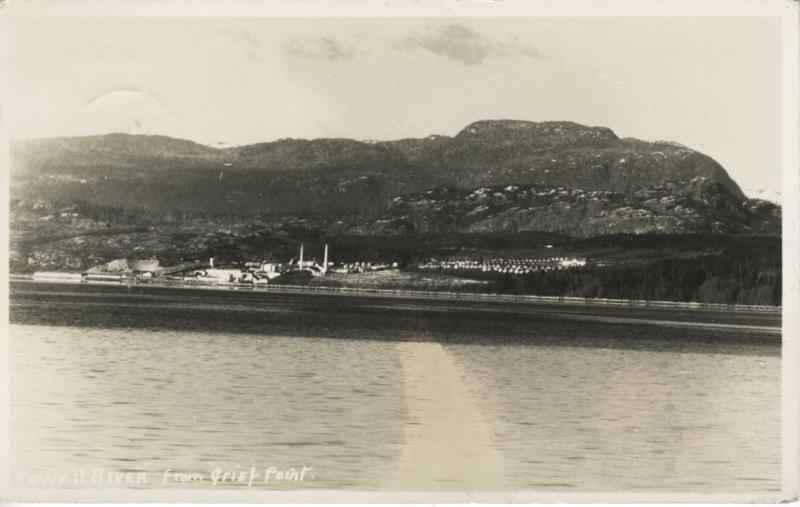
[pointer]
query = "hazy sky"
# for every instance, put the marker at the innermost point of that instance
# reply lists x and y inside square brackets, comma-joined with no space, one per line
[711,84]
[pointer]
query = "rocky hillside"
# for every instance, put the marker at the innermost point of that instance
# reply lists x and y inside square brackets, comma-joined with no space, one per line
[342,177]
[559,154]
[698,205]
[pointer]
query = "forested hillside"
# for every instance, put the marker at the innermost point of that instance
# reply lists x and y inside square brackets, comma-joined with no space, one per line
[342,177]
[744,277]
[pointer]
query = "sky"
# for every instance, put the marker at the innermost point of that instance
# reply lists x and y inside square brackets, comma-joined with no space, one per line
[712,84]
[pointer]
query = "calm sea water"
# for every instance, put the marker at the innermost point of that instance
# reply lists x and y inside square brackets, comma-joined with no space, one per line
[111,379]
[622,420]
[192,402]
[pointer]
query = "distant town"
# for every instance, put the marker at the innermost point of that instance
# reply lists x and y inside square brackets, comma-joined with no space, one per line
[511,266]
[266,272]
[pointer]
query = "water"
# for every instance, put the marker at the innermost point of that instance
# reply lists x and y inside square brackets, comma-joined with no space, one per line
[191,402]
[625,420]
[376,394]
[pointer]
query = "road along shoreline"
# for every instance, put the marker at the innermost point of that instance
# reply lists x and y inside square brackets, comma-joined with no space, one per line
[444,295]
[700,318]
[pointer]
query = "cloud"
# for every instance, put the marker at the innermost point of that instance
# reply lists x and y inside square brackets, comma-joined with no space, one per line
[457,42]
[244,39]
[322,47]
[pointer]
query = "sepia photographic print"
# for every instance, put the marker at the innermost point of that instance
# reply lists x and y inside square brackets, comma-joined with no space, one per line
[487,251]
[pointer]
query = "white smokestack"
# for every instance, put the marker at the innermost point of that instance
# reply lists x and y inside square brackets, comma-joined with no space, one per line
[300,264]
[211,261]
[325,260]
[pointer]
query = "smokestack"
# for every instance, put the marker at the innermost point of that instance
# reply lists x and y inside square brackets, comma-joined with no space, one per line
[325,260]
[300,264]
[211,261]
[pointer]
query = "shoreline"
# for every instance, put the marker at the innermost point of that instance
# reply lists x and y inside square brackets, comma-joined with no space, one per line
[405,293]
[289,301]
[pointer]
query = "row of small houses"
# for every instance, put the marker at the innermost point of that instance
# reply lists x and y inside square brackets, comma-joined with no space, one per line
[514,266]
[361,267]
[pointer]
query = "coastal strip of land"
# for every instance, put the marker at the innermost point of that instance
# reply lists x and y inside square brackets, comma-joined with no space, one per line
[474,296]
[237,300]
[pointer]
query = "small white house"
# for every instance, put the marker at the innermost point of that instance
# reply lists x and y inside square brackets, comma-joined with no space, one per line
[56,276]
[223,275]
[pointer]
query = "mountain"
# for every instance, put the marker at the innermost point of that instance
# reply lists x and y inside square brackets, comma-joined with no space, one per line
[109,151]
[497,152]
[344,180]
[696,206]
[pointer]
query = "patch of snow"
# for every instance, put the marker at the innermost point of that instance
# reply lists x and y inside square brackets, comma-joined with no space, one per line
[222,145]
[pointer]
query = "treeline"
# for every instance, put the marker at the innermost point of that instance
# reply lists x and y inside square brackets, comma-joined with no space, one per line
[744,277]
[229,196]
[677,242]
[110,214]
